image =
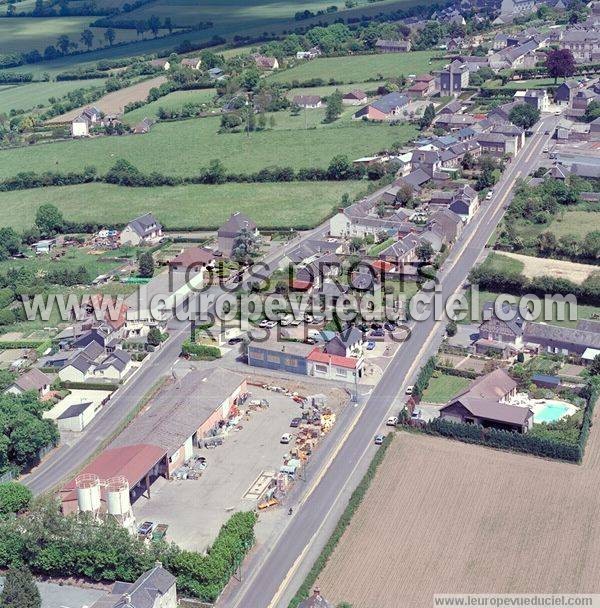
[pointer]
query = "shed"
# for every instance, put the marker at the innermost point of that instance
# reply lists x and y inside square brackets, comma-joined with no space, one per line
[545,381]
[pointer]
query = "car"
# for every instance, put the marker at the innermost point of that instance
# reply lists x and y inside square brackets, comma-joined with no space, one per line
[416,415]
[287,320]
[295,422]
[546,132]
[389,326]
[308,318]
[285,438]
[318,319]
[409,389]
[146,528]
[392,421]
[264,323]
[235,340]
[376,325]
[489,195]
[545,150]
[557,113]
[370,345]
[379,439]
[295,322]
[269,324]
[377,333]
[310,341]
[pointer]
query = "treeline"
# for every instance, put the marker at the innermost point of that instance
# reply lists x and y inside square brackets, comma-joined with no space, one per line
[15,78]
[58,546]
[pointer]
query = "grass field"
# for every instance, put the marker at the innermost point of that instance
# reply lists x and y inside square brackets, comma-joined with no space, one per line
[444,387]
[361,68]
[328,90]
[28,96]
[182,148]
[534,83]
[503,263]
[270,205]
[172,102]
[447,517]
[578,223]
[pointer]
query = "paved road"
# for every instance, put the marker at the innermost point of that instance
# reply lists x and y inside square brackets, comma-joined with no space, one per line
[271,579]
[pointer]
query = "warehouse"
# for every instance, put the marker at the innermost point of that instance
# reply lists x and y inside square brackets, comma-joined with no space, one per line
[181,415]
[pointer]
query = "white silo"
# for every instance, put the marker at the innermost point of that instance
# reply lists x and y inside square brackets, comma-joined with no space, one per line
[117,499]
[88,493]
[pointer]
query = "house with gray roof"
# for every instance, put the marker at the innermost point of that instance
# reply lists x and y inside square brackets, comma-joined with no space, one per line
[33,380]
[231,229]
[388,107]
[113,368]
[497,331]
[561,340]
[143,230]
[347,343]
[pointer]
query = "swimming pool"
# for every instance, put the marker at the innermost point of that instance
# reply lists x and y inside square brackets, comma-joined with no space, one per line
[551,411]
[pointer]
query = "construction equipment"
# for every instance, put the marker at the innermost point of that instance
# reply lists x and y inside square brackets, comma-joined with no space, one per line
[267,504]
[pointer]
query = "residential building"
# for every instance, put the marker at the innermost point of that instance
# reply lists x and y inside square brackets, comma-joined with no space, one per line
[231,229]
[335,367]
[561,340]
[464,203]
[316,600]
[143,230]
[392,46]
[354,98]
[114,368]
[347,343]
[193,63]
[156,588]
[494,144]
[565,92]
[454,78]
[584,43]
[143,127]
[193,260]
[388,107]
[33,380]
[161,64]
[307,101]
[265,63]
[538,98]
[81,125]
[312,53]
[498,330]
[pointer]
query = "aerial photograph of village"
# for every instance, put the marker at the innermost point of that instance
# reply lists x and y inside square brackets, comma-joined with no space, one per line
[300,303]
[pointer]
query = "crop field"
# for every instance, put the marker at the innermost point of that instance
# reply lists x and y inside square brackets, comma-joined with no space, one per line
[183,147]
[36,94]
[293,204]
[114,102]
[447,517]
[172,102]
[361,68]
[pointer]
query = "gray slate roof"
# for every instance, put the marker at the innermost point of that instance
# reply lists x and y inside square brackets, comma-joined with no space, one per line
[144,224]
[390,102]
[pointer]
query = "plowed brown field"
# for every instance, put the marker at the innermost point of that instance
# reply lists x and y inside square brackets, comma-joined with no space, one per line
[447,517]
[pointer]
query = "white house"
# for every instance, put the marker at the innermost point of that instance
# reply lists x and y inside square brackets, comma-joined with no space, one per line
[33,380]
[142,230]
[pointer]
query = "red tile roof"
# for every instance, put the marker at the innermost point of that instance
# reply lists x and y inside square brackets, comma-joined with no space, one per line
[382,265]
[319,357]
[299,285]
[193,257]
[114,315]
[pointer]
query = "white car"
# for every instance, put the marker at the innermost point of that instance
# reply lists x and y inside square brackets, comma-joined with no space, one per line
[409,389]
[489,195]
[286,438]
[392,421]
[308,318]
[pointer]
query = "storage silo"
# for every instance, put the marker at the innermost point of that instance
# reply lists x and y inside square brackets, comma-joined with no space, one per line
[88,493]
[117,499]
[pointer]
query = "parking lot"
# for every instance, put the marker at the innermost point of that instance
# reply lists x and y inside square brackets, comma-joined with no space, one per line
[194,510]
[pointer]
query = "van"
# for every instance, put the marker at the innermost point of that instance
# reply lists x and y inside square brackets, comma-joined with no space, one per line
[392,421]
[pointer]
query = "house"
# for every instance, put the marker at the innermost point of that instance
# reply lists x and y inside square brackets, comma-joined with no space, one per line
[464,203]
[419,90]
[453,107]
[216,73]
[565,92]
[265,63]
[143,127]
[80,126]
[538,98]
[454,122]
[156,588]
[454,78]
[583,98]
[387,107]
[161,64]
[193,259]
[316,600]
[392,46]
[231,229]
[561,340]
[447,224]
[76,367]
[487,402]
[334,367]
[280,355]
[501,329]
[354,98]
[115,367]
[312,53]
[347,343]
[143,230]
[515,136]
[44,246]
[307,101]
[494,144]
[193,63]
[33,380]
[583,43]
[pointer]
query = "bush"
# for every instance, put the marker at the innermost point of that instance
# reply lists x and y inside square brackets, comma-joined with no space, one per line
[200,351]
[14,497]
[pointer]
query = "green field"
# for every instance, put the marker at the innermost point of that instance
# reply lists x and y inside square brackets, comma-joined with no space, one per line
[28,96]
[270,205]
[183,148]
[443,388]
[173,102]
[535,83]
[361,68]
[502,263]
[329,89]
[575,222]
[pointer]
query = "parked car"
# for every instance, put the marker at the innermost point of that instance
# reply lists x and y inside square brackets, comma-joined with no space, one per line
[264,323]
[377,333]
[390,326]
[379,439]
[310,341]
[370,345]
[392,421]
[409,389]
[416,415]
[489,195]
[146,528]
[285,438]
[287,320]
[308,318]
[235,340]
[295,322]
[318,319]
[295,422]
[270,324]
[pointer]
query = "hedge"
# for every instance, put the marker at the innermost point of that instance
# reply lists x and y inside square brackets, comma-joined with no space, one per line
[461,373]
[344,521]
[200,351]
[43,347]
[10,345]
[423,378]
[93,386]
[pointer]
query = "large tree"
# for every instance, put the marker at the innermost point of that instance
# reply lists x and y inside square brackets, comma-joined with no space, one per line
[524,116]
[14,497]
[334,106]
[20,590]
[560,63]
[49,219]
[87,37]
[146,265]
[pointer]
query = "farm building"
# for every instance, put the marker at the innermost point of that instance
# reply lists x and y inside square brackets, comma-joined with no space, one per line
[193,63]
[561,340]
[181,416]
[308,101]
[392,46]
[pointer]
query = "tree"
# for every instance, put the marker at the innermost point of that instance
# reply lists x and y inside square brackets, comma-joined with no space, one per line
[468,162]
[547,243]
[592,111]
[339,168]
[560,63]
[110,35]
[20,590]
[154,25]
[594,367]
[14,497]
[49,220]
[334,106]
[10,243]
[451,328]
[245,246]
[215,173]
[146,265]
[154,337]
[524,116]
[404,195]
[427,117]
[87,38]
[169,25]
[64,44]
[424,251]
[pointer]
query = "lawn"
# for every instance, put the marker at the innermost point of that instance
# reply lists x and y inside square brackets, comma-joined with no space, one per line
[443,388]
[535,83]
[28,96]
[361,68]
[172,102]
[182,148]
[329,89]
[270,205]
[578,223]
[502,263]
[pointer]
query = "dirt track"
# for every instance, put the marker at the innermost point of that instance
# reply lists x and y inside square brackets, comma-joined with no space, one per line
[113,103]
[560,269]
[447,517]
